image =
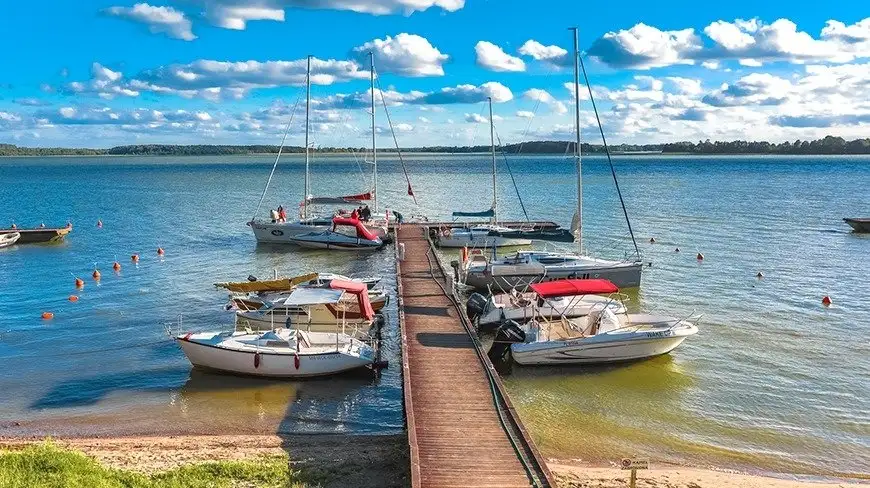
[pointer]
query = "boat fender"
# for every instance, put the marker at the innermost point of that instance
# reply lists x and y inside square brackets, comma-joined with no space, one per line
[296,361]
[256,360]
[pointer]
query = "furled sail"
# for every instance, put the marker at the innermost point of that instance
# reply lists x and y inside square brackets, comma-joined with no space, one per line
[486,213]
[352,199]
[268,285]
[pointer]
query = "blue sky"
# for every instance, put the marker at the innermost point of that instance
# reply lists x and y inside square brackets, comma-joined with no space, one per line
[103,73]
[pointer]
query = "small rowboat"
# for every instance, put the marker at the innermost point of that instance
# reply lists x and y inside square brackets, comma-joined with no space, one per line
[9,239]
[859,225]
[44,234]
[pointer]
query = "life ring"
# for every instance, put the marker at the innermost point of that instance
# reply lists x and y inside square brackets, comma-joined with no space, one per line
[445,232]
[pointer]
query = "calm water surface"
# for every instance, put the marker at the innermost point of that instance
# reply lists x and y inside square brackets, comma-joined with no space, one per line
[773,381]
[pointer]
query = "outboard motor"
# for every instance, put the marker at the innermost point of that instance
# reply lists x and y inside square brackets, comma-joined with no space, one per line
[252,278]
[476,305]
[508,332]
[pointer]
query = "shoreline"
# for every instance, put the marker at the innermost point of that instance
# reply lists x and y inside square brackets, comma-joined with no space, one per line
[373,460]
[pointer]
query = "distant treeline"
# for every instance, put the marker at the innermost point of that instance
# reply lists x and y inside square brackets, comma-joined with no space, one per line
[828,145]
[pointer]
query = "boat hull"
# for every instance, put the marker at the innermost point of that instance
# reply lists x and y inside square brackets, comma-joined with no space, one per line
[594,350]
[283,232]
[272,365]
[623,275]
[859,225]
[33,236]
[575,308]
[463,240]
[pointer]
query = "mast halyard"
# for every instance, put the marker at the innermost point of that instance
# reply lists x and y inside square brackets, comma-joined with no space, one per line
[374,145]
[577,154]
[492,144]
[307,113]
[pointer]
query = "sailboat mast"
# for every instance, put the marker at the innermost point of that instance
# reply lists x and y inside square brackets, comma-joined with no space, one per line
[307,113]
[577,154]
[374,145]
[492,144]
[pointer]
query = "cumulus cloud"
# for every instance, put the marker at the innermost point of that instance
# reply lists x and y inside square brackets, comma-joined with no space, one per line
[753,89]
[476,119]
[404,55]
[160,20]
[820,120]
[544,97]
[30,102]
[551,54]
[525,114]
[493,58]
[751,42]
[689,86]
[468,94]
[9,120]
[104,83]
[461,94]
[109,116]
[234,14]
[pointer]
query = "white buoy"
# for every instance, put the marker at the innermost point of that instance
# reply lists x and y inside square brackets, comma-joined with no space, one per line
[401,251]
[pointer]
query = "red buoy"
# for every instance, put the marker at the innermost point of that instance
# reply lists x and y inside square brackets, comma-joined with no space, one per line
[96,275]
[700,257]
[134,258]
[73,298]
[80,283]
[256,360]
[116,266]
[160,251]
[296,361]
[826,301]
[99,224]
[47,315]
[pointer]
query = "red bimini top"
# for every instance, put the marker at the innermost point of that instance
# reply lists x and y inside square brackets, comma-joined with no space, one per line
[566,288]
[361,231]
[361,292]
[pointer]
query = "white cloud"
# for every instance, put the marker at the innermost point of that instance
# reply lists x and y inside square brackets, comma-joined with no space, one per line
[494,58]
[539,52]
[476,119]
[710,64]
[525,114]
[424,120]
[461,94]
[234,14]
[544,97]
[404,55]
[104,83]
[163,20]
[688,86]
[753,89]
[750,63]
[752,42]
[645,47]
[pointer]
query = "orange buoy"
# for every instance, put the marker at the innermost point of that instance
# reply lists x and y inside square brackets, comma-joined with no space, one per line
[73,298]
[47,315]
[700,257]
[80,283]
[652,240]
[116,266]
[826,301]
[160,251]
[134,258]
[99,223]
[96,274]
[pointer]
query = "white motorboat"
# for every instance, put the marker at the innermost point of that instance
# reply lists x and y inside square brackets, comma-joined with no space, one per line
[281,353]
[9,239]
[293,351]
[602,336]
[529,267]
[563,298]
[519,270]
[345,235]
[315,309]
[482,235]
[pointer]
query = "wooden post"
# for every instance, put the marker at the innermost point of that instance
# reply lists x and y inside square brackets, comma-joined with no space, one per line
[633,478]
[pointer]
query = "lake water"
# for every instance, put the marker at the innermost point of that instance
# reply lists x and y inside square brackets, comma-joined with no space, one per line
[774,381]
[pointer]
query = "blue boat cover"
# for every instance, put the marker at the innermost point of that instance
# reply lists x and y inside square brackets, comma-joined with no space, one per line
[486,213]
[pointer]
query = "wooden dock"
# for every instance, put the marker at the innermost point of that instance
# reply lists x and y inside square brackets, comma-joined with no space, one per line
[462,429]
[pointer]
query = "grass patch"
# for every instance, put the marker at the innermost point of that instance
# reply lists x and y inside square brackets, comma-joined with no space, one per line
[47,465]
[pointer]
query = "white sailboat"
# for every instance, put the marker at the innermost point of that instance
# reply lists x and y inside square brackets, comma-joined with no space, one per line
[483,235]
[525,267]
[277,231]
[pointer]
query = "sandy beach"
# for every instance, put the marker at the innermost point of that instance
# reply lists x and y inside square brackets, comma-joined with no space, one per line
[376,461]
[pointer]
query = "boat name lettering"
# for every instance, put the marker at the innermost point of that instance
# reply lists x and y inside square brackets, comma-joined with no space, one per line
[277,232]
[664,333]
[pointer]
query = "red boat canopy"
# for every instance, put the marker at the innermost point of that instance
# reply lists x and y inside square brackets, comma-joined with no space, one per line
[361,231]
[565,288]
[361,292]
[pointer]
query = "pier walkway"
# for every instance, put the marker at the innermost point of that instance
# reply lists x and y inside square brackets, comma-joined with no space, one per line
[462,429]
